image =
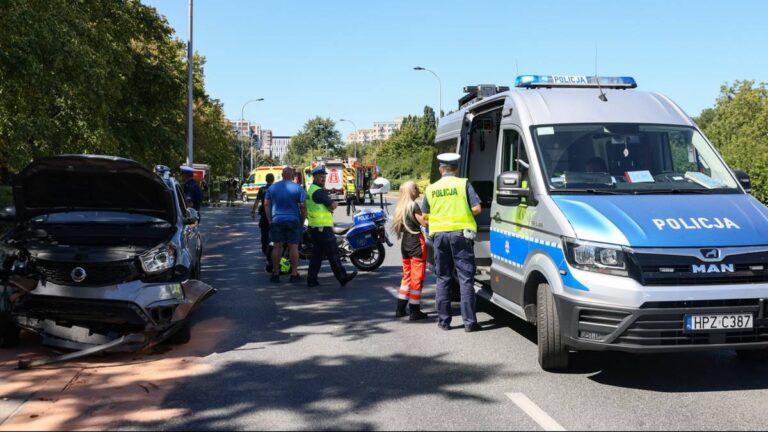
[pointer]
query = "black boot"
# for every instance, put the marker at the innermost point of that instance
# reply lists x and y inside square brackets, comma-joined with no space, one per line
[416,313]
[400,312]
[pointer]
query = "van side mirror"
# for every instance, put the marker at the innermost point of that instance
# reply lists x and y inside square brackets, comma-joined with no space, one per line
[8,214]
[510,188]
[744,180]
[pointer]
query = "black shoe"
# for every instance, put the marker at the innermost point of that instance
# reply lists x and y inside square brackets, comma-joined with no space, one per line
[312,284]
[268,268]
[416,313]
[473,328]
[349,278]
[400,312]
[445,327]
[275,278]
[295,278]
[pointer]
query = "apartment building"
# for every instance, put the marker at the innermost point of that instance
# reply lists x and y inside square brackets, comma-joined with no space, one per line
[381,130]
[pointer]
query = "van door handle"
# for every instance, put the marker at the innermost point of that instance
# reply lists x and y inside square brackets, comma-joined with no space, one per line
[497,217]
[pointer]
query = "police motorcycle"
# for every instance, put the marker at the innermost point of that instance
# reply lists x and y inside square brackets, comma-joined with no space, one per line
[362,241]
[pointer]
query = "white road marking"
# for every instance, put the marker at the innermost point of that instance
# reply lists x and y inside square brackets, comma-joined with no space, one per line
[537,414]
[393,291]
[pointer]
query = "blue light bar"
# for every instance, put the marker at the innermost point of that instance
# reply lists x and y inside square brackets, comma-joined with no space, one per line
[534,81]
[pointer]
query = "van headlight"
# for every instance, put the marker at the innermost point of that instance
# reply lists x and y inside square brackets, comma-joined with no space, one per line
[159,259]
[596,257]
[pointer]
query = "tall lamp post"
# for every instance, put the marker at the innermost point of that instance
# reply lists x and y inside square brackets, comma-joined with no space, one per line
[242,119]
[356,133]
[440,84]
[189,89]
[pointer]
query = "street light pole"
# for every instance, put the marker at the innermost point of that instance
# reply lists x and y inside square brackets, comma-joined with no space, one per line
[189,89]
[356,133]
[242,120]
[440,84]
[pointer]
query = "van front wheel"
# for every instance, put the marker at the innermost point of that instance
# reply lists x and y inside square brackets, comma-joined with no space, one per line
[553,354]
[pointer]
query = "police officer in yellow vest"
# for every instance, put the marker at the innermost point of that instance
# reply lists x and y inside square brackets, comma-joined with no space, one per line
[450,205]
[350,189]
[320,209]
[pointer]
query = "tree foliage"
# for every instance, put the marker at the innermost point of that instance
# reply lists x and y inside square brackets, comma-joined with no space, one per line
[738,126]
[100,77]
[318,137]
[408,153]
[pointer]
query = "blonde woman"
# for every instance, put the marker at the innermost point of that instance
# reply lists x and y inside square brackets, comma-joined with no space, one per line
[407,225]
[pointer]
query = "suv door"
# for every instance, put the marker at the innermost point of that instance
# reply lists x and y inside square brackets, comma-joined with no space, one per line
[190,233]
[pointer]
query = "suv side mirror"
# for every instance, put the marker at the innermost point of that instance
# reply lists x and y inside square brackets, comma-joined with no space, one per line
[743,178]
[192,218]
[510,188]
[8,214]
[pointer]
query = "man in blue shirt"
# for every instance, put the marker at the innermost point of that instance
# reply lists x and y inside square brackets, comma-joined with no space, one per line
[286,212]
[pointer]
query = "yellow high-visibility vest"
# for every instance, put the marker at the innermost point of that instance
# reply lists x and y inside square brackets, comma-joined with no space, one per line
[448,206]
[318,215]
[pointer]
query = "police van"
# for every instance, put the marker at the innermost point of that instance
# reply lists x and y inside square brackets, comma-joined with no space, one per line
[609,220]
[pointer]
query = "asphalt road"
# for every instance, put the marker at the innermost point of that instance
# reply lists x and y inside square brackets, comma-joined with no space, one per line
[334,358]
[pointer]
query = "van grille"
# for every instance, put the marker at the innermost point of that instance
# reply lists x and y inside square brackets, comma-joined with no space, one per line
[678,269]
[662,328]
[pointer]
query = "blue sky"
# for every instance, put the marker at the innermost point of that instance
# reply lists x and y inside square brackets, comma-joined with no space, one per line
[354,59]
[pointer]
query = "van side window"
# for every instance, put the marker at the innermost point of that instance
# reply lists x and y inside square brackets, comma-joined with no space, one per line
[445,146]
[513,152]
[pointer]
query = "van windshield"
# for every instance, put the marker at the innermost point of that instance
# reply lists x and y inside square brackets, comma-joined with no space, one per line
[631,159]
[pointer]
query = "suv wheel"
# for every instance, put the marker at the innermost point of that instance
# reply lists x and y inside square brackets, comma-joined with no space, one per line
[553,354]
[9,332]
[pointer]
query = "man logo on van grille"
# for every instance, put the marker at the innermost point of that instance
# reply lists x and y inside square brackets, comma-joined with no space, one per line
[78,274]
[713,268]
[710,253]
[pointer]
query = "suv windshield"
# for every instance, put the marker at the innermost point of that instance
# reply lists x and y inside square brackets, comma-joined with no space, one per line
[99,217]
[630,158]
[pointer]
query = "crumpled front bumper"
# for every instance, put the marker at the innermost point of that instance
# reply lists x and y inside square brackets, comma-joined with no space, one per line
[78,317]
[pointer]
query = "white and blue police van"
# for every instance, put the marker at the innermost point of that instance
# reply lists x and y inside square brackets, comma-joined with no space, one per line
[609,220]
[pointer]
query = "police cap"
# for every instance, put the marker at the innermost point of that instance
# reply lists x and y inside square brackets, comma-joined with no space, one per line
[187,170]
[449,159]
[319,170]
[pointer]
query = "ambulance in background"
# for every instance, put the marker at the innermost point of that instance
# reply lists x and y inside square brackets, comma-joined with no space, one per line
[609,221]
[335,180]
[258,179]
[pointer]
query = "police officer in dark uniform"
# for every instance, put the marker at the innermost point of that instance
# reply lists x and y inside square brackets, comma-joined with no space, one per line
[192,190]
[320,209]
[450,205]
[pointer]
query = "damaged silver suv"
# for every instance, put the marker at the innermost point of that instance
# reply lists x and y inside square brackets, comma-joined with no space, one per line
[104,256]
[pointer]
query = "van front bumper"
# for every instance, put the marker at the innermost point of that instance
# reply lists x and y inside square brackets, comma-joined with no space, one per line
[657,327]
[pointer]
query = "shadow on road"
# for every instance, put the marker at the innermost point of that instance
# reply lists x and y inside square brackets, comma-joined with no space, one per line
[319,392]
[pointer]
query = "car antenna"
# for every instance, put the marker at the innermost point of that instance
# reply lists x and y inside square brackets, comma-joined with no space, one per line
[602,96]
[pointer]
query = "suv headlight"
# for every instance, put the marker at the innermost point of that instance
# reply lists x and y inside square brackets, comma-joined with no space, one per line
[159,259]
[596,257]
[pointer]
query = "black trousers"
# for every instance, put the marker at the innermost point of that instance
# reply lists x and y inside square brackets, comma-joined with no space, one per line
[351,202]
[324,244]
[265,249]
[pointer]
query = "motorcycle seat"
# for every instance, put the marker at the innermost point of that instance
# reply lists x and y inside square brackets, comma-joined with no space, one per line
[342,228]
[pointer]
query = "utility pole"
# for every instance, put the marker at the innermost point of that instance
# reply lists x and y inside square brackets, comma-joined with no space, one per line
[190,66]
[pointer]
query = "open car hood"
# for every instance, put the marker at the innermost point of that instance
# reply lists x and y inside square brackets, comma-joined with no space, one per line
[90,183]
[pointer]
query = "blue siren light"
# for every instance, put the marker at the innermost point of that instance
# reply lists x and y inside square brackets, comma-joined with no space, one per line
[535,81]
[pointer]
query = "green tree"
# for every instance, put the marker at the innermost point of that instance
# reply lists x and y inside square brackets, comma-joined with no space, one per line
[318,137]
[407,155]
[738,126]
[100,77]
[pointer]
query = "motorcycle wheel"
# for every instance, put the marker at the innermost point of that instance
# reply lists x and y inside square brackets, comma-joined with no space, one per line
[368,259]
